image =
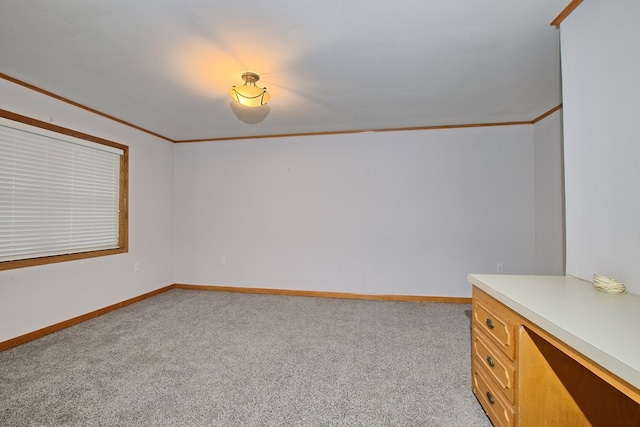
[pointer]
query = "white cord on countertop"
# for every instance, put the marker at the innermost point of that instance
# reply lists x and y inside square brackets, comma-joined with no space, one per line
[608,285]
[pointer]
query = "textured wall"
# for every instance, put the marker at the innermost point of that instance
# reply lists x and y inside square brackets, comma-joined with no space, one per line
[547,135]
[381,213]
[602,140]
[34,297]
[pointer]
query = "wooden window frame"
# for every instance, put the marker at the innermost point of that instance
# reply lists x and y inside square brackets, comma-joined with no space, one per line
[123,193]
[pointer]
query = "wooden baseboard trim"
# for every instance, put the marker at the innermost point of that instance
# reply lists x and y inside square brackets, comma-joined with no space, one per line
[4,345]
[321,294]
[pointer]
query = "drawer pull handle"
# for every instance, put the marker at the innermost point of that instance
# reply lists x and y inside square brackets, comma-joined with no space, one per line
[490,398]
[489,323]
[490,361]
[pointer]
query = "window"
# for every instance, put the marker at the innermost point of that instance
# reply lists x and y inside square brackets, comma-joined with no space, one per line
[63,194]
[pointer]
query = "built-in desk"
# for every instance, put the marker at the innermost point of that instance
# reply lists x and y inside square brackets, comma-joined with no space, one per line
[553,350]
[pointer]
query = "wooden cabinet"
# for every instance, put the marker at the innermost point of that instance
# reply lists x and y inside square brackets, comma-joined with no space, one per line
[500,369]
[493,358]
[499,411]
[524,375]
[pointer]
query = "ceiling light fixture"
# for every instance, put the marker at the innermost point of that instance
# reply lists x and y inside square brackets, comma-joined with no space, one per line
[249,94]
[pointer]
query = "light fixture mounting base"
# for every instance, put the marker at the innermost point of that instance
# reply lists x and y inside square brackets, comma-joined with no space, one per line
[250,77]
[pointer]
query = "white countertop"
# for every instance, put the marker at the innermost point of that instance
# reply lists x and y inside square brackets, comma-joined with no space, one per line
[603,327]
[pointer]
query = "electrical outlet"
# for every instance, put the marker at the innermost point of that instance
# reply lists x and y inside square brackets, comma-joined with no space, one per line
[499,267]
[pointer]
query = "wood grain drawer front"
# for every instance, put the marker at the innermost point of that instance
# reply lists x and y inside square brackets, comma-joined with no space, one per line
[499,411]
[495,364]
[496,325]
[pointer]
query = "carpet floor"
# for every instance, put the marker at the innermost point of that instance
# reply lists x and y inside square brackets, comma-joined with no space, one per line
[198,358]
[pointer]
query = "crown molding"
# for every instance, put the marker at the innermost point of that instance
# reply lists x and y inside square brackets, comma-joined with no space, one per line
[81,106]
[565,12]
[282,135]
[342,132]
[548,113]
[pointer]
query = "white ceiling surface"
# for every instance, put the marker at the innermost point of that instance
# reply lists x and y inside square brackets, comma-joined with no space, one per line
[330,65]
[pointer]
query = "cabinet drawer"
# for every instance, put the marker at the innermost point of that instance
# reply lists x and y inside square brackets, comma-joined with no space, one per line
[495,321]
[498,410]
[495,364]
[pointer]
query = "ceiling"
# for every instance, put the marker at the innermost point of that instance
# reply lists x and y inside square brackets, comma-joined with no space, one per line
[332,65]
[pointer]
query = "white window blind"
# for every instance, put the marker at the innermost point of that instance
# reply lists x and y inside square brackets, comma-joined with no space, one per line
[58,194]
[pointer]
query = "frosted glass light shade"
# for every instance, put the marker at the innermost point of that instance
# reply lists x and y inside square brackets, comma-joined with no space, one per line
[250,96]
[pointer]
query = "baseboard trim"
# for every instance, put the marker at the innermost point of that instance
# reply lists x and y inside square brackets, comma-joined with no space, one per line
[13,342]
[321,294]
[4,345]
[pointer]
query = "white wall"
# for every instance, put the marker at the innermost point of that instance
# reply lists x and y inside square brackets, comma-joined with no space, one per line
[35,297]
[377,213]
[601,65]
[549,241]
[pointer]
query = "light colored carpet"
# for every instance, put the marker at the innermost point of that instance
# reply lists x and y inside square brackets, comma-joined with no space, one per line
[198,358]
